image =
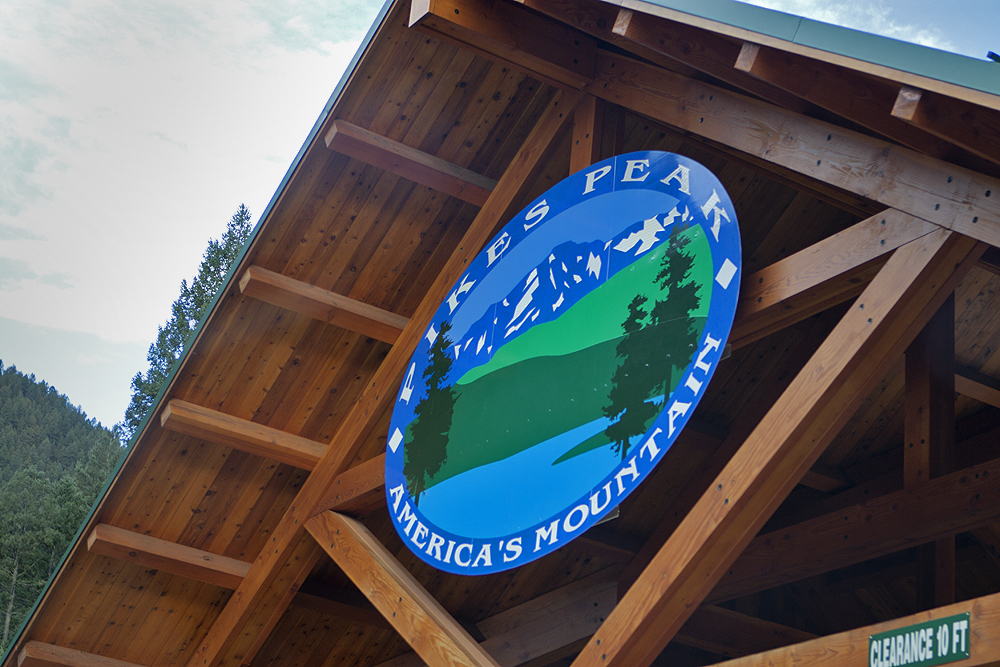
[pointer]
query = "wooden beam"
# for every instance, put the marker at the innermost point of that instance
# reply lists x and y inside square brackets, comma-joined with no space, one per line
[357,490]
[260,600]
[929,438]
[546,626]
[321,304]
[701,49]
[178,559]
[339,609]
[823,275]
[888,315]
[588,123]
[957,502]
[37,654]
[732,634]
[929,441]
[409,163]
[863,99]
[982,387]
[800,346]
[210,568]
[942,193]
[420,619]
[974,128]
[548,51]
[851,648]
[183,417]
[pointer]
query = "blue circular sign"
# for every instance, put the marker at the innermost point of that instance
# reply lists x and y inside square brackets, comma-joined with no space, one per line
[563,363]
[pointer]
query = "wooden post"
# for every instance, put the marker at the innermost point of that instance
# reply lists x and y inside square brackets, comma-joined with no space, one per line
[930,441]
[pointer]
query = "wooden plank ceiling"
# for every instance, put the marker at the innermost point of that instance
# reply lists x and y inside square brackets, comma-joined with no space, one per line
[875,488]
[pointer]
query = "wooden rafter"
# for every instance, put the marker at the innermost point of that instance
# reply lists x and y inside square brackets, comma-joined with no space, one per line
[38,654]
[979,386]
[553,53]
[793,357]
[588,121]
[543,628]
[420,619]
[179,559]
[888,315]
[960,501]
[821,276]
[261,598]
[948,195]
[200,565]
[408,162]
[357,489]
[974,128]
[321,304]
[863,99]
[851,648]
[247,436]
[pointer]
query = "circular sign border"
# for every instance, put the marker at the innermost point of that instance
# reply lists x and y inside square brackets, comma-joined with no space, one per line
[710,206]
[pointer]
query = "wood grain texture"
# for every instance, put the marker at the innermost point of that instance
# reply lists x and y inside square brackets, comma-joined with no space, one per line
[850,649]
[889,314]
[153,552]
[588,124]
[823,275]
[956,502]
[548,51]
[982,387]
[948,195]
[973,127]
[408,162]
[37,654]
[241,434]
[420,619]
[357,489]
[262,582]
[321,304]
[866,100]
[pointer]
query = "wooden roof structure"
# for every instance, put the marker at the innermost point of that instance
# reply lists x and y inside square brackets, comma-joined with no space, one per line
[840,477]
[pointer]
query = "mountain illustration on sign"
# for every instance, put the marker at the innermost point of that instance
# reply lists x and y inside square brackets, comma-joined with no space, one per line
[606,353]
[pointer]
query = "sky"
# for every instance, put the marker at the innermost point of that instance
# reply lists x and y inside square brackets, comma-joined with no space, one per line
[130,132]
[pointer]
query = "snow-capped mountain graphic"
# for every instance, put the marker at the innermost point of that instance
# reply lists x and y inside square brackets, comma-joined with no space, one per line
[570,272]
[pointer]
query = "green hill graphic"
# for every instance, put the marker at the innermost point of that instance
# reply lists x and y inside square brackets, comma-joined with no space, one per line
[559,375]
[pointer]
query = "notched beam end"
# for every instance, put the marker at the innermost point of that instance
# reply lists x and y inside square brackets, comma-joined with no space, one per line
[907,101]
[748,56]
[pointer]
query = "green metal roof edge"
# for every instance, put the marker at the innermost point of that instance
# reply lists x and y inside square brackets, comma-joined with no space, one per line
[982,75]
[327,108]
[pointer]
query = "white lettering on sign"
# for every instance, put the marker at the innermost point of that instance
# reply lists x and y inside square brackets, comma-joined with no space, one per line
[632,166]
[593,176]
[683,177]
[712,206]
[537,212]
[494,251]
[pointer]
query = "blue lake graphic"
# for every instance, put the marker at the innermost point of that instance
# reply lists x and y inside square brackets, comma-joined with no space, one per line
[513,494]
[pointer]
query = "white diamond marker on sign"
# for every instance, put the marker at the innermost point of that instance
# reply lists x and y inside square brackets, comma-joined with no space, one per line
[397,437]
[726,273]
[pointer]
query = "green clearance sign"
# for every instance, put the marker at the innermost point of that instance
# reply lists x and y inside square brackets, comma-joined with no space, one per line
[932,643]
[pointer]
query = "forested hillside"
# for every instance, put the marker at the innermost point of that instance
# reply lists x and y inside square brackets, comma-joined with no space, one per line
[53,463]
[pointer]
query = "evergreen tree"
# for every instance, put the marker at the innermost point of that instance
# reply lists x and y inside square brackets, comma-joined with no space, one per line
[432,422]
[632,382]
[53,463]
[185,313]
[651,350]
